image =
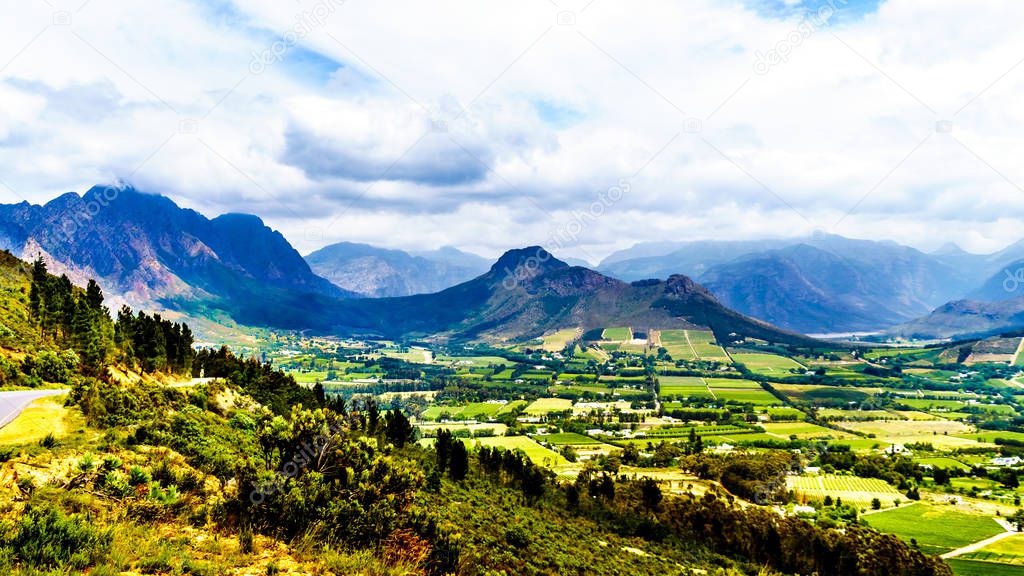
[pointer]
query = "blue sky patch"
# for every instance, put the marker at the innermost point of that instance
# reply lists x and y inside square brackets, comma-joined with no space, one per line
[784,9]
[557,114]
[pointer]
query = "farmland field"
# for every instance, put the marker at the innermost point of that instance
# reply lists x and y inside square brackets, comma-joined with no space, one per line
[703,345]
[937,530]
[683,386]
[816,393]
[542,406]
[768,364]
[784,412]
[1009,550]
[862,443]
[617,334]
[512,406]
[990,437]
[849,488]
[947,463]
[535,452]
[470,411]
[963,567]
[759,397]
[898,428]
[732,383]
[677,345]
[567,438]
[803,430]
[557,341]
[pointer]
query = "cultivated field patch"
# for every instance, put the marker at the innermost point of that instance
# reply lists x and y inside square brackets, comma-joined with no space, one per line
[852,489]
[534,451]
[936,529]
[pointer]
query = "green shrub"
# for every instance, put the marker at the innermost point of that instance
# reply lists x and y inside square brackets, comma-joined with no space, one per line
[87,463]
[45,538]
[49,441]
[137,476]
[115,483]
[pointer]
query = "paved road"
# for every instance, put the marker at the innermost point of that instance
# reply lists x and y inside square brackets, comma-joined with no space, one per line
[12,403]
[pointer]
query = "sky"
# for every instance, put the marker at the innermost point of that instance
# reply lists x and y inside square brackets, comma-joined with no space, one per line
[582,125]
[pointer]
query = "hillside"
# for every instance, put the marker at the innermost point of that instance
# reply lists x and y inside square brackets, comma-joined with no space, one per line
[818,284]
[528,292]
[144,250]
[378,272]
[965,318]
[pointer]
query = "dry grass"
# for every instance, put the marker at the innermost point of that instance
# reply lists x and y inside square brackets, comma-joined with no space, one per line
[42,417]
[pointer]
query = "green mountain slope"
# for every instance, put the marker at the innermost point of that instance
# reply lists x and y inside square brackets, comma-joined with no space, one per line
[528,292]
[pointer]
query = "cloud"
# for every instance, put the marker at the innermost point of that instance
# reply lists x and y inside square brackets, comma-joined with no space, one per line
[485,126]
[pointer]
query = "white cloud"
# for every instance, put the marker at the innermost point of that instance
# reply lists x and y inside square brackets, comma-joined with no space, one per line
[483,125]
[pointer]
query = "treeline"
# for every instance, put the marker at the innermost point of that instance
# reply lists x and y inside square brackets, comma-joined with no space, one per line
[152,343]
[75,319]
[267,385]
[70,317]
[636,507]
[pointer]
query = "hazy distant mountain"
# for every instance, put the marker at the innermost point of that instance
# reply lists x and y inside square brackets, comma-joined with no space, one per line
[379,272]
[528,292]
[818,284]
[964,318]
[662,259]
[147,251]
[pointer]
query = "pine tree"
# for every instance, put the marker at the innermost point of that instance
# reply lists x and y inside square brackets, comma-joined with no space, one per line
[397,428]
[458,464]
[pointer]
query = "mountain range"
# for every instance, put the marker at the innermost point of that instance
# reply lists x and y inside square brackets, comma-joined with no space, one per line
[378,272]
[826,283]
[147,251]
[528,293]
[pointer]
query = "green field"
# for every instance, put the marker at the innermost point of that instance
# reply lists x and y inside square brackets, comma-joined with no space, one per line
[617,334]
[861,443]
[758,397]
[945,463]
[850,488]
[990,437]
[768,364]
[785,412]
[567,438]
[975,568]
[820,394]
[803,430]
[512,407]
[543,406]
[732,383]
[534,451]
[703,344]
[476,410]
[936,530]
[677,345]
[1009,550]
[559,340]
[683,386]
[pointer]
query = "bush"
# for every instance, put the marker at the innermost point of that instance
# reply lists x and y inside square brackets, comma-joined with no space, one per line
[45,538]
[137,476]
[51,367]
[49,441]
